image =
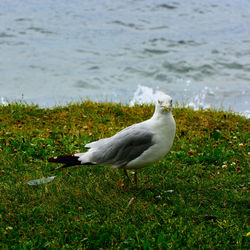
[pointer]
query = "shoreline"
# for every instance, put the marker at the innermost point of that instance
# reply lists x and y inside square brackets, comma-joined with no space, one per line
[245,114]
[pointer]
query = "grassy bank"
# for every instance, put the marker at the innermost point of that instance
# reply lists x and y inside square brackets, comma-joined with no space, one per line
[95,207]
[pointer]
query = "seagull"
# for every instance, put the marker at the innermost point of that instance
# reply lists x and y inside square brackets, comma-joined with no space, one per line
[137,146]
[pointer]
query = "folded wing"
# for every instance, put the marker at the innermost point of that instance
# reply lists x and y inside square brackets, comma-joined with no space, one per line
[121,148]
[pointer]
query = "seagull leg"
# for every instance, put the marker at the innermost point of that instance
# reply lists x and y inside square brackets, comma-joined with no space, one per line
[135,178]
[126,173]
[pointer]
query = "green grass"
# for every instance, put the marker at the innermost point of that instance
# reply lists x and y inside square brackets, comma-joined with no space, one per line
[91,207]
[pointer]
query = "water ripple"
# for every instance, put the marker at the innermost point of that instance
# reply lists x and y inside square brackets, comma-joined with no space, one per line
[41,30]
[128,25]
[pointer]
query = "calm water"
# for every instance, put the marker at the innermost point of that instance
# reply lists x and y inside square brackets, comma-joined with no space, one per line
[53,52]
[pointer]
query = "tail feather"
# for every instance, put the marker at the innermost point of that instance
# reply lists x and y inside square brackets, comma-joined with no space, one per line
[68,161]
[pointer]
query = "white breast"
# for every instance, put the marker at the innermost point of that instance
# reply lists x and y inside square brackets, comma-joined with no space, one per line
[163,139]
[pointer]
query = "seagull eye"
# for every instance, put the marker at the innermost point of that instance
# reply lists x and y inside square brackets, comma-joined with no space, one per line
[159,102]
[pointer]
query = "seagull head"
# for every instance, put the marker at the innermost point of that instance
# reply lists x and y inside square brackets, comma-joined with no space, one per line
[164,104]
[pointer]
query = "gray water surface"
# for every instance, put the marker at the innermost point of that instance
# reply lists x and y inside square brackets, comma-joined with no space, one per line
[53,52]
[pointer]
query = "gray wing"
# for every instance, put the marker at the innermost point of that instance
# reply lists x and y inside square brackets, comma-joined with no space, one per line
[123,147]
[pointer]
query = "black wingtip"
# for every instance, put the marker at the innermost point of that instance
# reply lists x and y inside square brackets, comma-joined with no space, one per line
[68,160]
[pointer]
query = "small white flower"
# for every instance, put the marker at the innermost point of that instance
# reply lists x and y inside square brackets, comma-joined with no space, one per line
[170,191]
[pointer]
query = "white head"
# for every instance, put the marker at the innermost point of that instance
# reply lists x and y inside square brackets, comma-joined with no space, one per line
[163,104]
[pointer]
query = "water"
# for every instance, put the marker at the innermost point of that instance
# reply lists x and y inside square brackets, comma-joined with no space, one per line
[53,52]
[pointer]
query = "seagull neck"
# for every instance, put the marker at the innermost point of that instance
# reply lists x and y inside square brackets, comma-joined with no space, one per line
[157,116]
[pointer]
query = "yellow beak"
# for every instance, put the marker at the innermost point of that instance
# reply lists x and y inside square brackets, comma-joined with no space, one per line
[166,107]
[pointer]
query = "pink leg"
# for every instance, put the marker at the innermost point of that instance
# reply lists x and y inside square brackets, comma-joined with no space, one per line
[135,178]
[126,173]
